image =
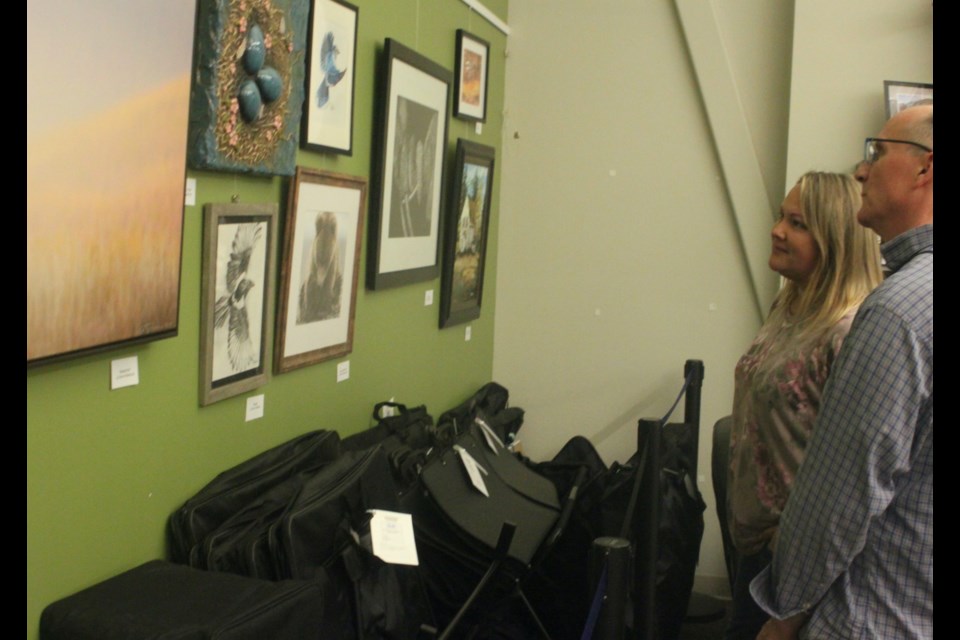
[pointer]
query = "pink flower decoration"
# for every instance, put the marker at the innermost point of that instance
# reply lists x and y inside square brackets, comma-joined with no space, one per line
[234,106]
[243,24]
[267,41]
[233,140]
[277,122]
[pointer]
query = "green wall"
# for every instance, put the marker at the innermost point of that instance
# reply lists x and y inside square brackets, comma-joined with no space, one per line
[105,468]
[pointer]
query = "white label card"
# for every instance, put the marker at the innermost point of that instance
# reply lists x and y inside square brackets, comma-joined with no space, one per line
[473,470]
[391,537]
[124,372]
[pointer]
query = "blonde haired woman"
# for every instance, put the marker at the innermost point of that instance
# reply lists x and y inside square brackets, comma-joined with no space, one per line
[830,264]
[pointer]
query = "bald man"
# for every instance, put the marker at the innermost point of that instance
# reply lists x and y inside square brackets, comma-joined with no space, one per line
[854,557]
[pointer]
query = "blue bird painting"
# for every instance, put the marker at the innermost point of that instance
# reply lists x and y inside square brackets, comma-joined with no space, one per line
[330,75]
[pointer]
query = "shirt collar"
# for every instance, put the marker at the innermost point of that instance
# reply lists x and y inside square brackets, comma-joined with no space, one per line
[901,249]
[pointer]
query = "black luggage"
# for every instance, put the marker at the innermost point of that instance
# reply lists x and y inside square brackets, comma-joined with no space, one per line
[160,600]
[458,527]
[232,489]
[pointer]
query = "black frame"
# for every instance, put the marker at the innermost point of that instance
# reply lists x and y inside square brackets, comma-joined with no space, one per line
[411,256]
[889,86]
[347,62]
[460,240]
[459,110]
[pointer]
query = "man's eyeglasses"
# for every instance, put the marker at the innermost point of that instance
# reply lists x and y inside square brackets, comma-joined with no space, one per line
[871,150]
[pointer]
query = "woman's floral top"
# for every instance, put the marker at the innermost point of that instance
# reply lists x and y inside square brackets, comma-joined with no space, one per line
[779,382]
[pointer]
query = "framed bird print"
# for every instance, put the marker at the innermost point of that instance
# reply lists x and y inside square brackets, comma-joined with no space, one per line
[321,266]
[327,123]
[239,254]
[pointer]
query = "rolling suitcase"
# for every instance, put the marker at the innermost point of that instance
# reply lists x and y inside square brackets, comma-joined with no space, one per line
[164,601]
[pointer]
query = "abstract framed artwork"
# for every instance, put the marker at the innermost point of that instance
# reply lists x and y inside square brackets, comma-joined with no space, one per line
[465,242]
[321,266]
[105,173]
[407,180]
[331,70]
[473,63]
[239,254]
[247,94]
[900,95]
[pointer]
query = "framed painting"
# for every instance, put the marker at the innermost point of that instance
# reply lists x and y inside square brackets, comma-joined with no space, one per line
[105,173]
[331,71]
[239,254]
[321,266]
[247,94]
[404,236]
[465,241]
[900,95]
[473,63]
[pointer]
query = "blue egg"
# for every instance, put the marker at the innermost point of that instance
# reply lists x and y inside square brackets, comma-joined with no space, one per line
[270,84]
[256,52]
[249,100]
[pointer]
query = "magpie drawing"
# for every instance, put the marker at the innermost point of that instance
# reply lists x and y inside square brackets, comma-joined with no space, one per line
[231,308]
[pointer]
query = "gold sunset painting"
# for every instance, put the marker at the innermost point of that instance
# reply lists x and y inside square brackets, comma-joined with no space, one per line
[108,86]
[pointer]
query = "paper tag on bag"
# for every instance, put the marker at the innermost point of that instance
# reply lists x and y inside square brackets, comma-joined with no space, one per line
[391,537]
[489,435]
[473,470]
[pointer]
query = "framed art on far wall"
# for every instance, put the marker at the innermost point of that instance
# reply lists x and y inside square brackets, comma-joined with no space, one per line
[321,265]
[473,63]
[407,178]
[239,253]
[245,103]
[331,62]
[465,237]
[900,95]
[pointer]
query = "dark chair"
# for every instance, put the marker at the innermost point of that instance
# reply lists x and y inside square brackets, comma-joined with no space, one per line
[720,463]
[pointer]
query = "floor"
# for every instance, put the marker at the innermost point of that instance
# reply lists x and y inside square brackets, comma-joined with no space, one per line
[708,627]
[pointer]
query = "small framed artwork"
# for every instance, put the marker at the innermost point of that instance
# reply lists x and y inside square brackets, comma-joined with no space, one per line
[327,124]
[900,95]
[321,265]
[473,62]
[247,92]
[465,242]
[404,236]
[239,254]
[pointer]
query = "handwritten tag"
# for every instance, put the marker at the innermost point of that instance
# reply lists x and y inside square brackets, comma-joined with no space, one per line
[473,470]
[391,537]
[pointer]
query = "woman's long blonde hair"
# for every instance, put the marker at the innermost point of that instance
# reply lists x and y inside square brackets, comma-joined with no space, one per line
[848,267]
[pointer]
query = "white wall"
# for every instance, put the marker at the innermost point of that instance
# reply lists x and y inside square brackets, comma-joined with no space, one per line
[862,44]
[618,250]
[619,254]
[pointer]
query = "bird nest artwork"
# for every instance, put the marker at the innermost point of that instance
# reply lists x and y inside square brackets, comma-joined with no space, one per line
[248,88]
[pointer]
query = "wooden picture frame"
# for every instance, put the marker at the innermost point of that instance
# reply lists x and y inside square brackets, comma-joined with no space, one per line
[465,238]
[404,236]
[327,125]
[247,95]
[321,266]
[239,254]
[899,95]
[472,70]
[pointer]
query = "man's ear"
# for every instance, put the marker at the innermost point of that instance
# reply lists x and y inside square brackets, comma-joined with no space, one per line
[925,173]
